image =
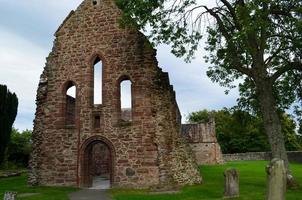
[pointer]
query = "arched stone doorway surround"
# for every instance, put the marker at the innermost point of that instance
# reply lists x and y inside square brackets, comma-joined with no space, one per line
[88,161]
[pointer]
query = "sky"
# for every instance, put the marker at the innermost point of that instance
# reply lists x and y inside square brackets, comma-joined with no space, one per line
[26,39]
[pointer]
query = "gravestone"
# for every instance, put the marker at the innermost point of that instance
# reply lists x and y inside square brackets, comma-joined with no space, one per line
[276,180]
[10,196]
[231,183]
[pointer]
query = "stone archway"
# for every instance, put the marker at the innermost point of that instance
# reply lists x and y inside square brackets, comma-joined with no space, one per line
[97,168]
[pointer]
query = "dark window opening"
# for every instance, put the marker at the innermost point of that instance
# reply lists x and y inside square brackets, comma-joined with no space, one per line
[95,2]
[70,105]
[97,91]
[97,121]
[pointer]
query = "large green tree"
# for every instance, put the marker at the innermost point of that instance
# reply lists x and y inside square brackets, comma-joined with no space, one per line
[8,113]
[258,41]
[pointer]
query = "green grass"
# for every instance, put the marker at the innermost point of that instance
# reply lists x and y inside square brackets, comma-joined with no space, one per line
[252,184]
[18,184]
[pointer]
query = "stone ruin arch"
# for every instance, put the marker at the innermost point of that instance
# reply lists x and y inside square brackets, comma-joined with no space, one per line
[85,161]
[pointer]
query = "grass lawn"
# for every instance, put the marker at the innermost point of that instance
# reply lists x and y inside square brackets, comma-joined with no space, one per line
[18,184]
[252,184]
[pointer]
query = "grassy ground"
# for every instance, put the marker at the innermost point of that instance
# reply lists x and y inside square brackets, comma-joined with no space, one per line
[18,184]
[252,184]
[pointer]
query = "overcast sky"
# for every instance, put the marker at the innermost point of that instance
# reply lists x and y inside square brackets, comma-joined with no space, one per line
[26,37]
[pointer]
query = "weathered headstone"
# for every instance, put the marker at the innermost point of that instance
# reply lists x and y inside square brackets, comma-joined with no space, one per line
[10,196]
[231,183]
[276,180]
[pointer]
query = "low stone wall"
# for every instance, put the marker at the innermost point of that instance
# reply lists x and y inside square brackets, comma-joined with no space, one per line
[247,156]
[293,156]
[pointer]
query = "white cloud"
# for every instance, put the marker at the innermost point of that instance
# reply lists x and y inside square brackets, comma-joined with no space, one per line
[194,90]
[21,65]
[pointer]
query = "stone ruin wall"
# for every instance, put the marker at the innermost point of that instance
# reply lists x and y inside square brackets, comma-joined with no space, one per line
[147,150]
[175,154]
[203,141]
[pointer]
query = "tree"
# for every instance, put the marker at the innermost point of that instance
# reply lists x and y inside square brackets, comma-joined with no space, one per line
[8,113]
[289,131]
[19,148]
[259,41]
[300,129]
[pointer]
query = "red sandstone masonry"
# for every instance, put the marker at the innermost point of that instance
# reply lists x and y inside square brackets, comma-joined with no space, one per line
[144,152]
[203,141]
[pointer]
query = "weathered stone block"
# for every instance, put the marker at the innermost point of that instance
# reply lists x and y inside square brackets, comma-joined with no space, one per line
[203,141]
[231,183]
[130,172]
[10,196]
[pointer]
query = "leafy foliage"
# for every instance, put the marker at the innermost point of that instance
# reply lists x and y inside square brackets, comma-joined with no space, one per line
[8,113]
[257,41]
[239,132]
[19,148]
[154,13]
[292,142]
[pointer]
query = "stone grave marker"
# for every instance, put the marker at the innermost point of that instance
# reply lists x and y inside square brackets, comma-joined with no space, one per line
[231,183]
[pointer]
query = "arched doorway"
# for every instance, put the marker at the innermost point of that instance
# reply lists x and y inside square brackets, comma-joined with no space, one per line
[97,164]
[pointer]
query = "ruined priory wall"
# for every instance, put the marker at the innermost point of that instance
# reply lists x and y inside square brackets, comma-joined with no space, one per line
[138,147]
[176,162]
[89,32]
[203,141]
[207,153]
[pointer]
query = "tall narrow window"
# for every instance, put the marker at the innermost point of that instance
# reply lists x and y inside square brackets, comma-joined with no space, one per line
[126,100]
[98,67]
[70,104]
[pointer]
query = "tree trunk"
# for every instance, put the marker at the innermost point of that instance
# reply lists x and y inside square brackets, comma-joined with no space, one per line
[272,123]
[271,120]
[276,180]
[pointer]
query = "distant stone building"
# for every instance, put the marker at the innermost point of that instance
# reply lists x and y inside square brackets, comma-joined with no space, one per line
[76,139]
[203,141]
